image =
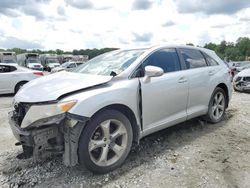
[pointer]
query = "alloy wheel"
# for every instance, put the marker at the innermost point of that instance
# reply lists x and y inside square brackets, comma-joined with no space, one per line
[108,142]
[218,106]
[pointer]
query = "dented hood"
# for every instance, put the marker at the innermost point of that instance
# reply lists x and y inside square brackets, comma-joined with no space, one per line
[51,87]
[244,73]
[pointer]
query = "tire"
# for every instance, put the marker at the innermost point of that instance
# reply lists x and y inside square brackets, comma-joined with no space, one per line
[217,106]
[95,151]
[237,90]
[18,86]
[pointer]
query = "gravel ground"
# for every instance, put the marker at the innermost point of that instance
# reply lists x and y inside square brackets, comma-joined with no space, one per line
[192,154]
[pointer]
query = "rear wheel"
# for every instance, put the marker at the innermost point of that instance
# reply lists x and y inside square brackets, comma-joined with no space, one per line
[19,86]
[105,142]
[217,106]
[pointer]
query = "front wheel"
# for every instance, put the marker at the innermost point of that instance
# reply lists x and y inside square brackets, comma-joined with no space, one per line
[105,142]
[217,106]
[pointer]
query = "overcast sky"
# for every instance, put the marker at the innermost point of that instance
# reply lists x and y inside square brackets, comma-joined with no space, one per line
[80,24]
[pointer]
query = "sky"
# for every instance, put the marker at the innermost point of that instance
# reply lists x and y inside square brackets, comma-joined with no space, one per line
[81,24]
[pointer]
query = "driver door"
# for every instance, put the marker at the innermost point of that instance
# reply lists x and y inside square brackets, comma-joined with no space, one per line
[164,98]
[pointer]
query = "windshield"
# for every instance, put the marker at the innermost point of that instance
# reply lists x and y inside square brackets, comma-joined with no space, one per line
[9,61]
[66,65]
[33,61]
[52,61]
[111,63]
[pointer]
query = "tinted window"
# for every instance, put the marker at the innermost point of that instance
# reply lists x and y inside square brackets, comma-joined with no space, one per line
[193,58]
[4,69]
[210,60]
[72,65]
[167,59]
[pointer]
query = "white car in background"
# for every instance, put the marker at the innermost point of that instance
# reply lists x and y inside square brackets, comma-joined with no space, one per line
[67,66]
[13,77]
[241,81]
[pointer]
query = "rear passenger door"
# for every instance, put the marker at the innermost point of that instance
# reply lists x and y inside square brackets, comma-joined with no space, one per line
[199,75]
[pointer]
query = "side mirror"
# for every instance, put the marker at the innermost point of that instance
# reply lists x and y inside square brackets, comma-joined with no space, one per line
[153,71]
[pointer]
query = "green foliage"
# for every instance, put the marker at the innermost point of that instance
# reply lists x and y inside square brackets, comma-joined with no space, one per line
[238,51]
[92,52]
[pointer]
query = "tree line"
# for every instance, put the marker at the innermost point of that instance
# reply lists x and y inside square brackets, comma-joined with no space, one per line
[90,52]
[229,51]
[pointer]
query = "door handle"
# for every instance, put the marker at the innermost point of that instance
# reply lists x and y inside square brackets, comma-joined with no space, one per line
[182,80]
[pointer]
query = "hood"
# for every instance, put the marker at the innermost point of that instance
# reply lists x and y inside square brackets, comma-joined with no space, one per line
[244,73]
[51,87]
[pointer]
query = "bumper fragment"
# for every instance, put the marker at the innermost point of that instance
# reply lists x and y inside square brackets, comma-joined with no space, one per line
[58,138]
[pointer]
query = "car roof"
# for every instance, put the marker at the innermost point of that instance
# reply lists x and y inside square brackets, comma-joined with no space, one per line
[166,46]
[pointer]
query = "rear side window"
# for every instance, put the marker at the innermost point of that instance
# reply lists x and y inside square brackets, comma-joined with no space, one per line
[193,58]
[210,60]
[167,59]
[4,68]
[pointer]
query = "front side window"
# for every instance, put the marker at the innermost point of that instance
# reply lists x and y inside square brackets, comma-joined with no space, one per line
[167,59]
[193,58]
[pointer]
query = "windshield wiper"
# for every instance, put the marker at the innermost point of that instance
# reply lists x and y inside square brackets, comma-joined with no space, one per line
[113,73]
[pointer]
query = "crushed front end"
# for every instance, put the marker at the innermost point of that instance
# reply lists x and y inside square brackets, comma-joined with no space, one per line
[242,83]
[46,129]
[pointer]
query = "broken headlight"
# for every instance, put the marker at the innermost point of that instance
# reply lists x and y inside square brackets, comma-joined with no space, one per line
[46,114]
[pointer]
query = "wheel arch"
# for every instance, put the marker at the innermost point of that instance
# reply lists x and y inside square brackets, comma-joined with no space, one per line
[18,83]
[226,90]
[129,114]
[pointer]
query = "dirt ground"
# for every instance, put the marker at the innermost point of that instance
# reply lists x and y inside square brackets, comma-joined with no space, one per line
[192,154]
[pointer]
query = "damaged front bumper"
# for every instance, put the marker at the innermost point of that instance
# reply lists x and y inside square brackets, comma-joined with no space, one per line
[242,86]
[47,136]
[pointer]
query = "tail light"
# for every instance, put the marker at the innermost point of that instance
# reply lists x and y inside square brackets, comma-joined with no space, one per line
[38,73]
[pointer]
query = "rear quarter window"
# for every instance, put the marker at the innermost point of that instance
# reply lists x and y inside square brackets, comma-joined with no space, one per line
[210,60]
[5,69]
[193,58]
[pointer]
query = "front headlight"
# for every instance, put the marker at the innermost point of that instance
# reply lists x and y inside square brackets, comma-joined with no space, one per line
[46,114]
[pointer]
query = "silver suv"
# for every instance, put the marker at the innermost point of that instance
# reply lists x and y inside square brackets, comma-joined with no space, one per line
[94,115]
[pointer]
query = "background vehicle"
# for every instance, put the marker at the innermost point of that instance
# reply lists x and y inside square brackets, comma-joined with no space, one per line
[13,77]
[69,57]
[239,66]
[95,114]
[8,57]
[67,66]
[29,60]
[49,61]
[241,81]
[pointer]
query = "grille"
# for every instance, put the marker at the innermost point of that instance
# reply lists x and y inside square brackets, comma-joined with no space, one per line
[247,79]
[20,111]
